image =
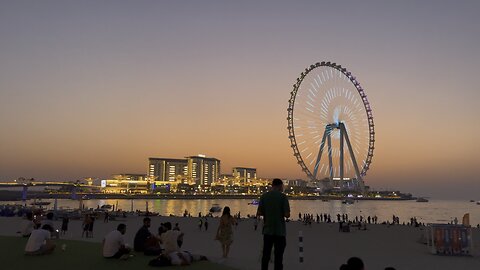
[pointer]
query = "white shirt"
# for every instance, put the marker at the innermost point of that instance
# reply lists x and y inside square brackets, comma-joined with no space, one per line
[37,239]
[169,241]
[27,227]
[113,241]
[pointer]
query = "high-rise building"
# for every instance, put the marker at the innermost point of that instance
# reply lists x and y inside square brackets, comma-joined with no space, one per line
[203,170]
[167,169]
[244,175]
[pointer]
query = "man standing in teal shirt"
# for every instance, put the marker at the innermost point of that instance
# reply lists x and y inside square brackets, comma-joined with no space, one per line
[274,208]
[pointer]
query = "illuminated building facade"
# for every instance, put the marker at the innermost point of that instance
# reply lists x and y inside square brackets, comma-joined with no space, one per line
[126,183]
[168,169]
[245,176]
[198,170]
[203,170]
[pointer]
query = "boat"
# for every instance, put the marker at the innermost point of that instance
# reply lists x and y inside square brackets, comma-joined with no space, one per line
[253,202]
[40,203]
[348,201]
[421,199]
[106,206]
[215,208]
[147,213]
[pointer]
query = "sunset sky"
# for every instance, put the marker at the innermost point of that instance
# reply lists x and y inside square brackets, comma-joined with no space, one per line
[92,88]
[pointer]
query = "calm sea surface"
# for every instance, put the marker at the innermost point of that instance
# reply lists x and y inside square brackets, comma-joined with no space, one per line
[434,211]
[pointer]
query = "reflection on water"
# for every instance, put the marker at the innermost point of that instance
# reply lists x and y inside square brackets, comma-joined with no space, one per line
[435,211]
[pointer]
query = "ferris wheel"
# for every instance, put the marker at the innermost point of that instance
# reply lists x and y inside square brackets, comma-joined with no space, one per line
[330,126]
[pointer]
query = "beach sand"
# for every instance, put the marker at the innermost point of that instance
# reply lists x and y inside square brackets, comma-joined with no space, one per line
[324,247]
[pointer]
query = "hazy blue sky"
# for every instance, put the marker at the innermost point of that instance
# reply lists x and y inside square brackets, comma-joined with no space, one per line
[91,88]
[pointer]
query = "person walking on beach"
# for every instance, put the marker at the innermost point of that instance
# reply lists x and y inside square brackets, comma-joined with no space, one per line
[205,223]
[65,221]
[200,223]
[86,225]
[274,208]
[90,227]
[225,231]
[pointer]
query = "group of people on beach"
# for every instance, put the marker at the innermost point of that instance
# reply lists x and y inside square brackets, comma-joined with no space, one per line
[39,235]
[166,245]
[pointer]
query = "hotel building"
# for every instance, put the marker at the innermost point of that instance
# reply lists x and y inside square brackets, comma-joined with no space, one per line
[245,176]
[198,170]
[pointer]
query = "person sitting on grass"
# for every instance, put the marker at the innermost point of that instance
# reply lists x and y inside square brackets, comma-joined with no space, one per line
[171,239]
[39,242]
[145,241]
[114,243]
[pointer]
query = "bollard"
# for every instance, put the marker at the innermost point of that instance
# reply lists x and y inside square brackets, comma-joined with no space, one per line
[300,246]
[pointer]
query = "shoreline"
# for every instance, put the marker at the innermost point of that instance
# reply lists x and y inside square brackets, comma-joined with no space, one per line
[16,196]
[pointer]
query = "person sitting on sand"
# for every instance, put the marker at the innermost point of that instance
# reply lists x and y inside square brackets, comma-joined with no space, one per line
[141,236]
[145,241]
[39,242]
[114,243]
[170,239]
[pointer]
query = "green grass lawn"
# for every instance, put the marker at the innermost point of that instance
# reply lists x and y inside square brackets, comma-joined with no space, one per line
[78,255]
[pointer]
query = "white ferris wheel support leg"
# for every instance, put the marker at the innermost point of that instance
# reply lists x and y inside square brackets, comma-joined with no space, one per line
[342,184]
[343,130]
[330,163]
[317,163]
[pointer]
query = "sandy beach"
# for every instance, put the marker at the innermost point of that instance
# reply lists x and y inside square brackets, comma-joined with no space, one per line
[324,247]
